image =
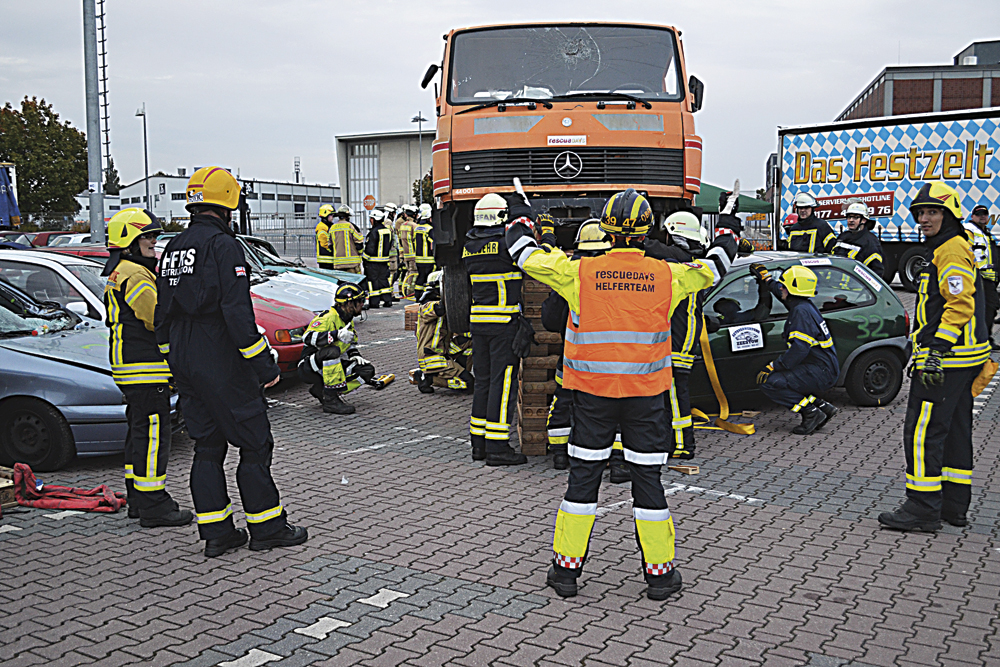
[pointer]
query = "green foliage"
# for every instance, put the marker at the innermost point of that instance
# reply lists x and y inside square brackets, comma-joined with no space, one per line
[428,190]
[112,183]
[172,226]
[760,194]
[51,157]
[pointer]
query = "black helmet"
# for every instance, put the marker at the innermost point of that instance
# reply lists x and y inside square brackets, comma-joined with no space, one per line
[348,292]
[627,214]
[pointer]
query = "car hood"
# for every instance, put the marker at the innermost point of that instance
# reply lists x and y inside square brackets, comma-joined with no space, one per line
[273,314]
[289,290]
[84,348]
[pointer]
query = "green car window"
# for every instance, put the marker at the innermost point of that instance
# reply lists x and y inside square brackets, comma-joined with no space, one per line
[837,289]
[734,302]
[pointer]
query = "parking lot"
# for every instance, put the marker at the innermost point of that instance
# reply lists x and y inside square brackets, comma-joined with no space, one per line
[419,556]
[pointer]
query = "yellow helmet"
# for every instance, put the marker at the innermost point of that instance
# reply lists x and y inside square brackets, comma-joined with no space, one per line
[939,195]
[127,225]
[214,186]
[628,214]
[325,210]
[590,236]
[799,280]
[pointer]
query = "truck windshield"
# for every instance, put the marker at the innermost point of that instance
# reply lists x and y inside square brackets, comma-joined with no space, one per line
[554,60]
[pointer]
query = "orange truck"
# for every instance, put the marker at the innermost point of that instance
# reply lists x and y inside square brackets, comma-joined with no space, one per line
[577,111]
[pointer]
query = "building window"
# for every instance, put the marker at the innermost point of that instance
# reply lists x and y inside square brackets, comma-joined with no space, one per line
[267,196]
[251,195]
[299,198]
[362,177]
[284,197]
[115,208]
[313,198]
[178,196]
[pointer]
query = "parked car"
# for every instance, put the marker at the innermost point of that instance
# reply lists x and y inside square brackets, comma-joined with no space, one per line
[265,254]
[57,398]
[868,322]
[69,239]
[42,239]
[15,237]
[94,251]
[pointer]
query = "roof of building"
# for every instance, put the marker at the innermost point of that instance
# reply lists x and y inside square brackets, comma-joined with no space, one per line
[394,134]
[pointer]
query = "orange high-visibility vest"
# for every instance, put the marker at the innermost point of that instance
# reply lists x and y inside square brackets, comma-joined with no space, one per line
[618,345]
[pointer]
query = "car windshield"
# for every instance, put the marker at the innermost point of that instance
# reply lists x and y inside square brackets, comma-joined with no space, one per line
[554,60]
[264,256]
[14,322]
[90,276]
[66,239]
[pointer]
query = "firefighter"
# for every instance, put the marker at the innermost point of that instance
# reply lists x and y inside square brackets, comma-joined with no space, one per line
[809,365]
[591,241]
[331,364]
[950,339]
[617,363]
[496,308]
[809,233]
[422,246]
[688,241]
[857,241]
[220,361]
[985,250]
[444,358]
[404,232]
[391,216]
[377,253]
[139,368]
[324,247]
[346,242]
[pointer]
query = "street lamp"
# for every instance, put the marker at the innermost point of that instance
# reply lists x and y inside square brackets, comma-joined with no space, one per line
[420,120]
[145,151]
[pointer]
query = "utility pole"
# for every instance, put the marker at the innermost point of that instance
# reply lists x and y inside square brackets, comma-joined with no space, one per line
[420,120]
[94,172]
[145,152]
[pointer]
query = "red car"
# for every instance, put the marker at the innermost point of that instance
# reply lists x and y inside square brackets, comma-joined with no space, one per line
[283,324]
[41,239]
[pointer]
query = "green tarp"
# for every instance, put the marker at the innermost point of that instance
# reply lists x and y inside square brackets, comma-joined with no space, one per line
[708,200]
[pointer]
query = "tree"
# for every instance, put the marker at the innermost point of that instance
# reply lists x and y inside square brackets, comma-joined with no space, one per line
[761,194]
[112,184]
[428,190]
[51,157]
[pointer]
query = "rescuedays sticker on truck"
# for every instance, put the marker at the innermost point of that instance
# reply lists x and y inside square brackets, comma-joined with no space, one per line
[568,140]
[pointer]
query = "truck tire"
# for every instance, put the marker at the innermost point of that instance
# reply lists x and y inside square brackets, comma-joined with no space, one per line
[874,378]
[911,264]
[33,432]
[457,293]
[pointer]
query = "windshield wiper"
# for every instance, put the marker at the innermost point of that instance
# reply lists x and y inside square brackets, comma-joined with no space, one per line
[613,96]
[17,333]
[511,100]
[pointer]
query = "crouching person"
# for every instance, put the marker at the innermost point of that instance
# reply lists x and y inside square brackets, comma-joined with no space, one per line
[443,357]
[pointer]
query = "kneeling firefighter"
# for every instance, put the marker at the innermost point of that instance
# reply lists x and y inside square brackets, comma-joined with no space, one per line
[810,364]
[444,358]
[330,362]
[617,362]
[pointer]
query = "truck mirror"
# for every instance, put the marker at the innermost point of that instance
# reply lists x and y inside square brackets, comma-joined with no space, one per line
[428,75]
[697,89]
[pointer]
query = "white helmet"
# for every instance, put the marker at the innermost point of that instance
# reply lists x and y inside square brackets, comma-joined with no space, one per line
[424,212]
[490,211]
[858,208]
[377,215]
[344,209]
[686,225]
[434,277]
[804,199]
[409,209]
[389,206]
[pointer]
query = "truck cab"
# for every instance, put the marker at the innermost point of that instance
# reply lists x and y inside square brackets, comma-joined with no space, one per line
[577,111]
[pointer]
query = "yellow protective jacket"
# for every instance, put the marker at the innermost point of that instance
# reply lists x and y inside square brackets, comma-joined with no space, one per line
[130,299]
[324,249]
[345,240]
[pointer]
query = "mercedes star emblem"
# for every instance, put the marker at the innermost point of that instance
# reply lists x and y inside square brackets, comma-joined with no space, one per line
[568,165]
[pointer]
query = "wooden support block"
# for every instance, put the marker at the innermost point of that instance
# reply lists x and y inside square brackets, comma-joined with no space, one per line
[7,499]
[536,400]
[538,351]
[534,412]
[539,387]
[548,338]
[549,361]
[752,414]
[531,285]
[533,313]
[535,375]
[410,312]
[687,470]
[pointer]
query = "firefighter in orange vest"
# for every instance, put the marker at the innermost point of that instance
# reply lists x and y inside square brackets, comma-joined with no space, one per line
[617,362]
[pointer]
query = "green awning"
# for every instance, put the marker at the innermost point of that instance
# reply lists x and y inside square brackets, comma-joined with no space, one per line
[708,200]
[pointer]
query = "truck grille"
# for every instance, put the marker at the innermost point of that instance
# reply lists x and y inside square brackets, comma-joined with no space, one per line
[536,166]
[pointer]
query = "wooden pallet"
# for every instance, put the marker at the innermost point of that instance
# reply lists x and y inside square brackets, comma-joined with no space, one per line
[410,313]
[538,373]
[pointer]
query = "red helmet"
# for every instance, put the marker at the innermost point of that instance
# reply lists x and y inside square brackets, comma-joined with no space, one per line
[792,219]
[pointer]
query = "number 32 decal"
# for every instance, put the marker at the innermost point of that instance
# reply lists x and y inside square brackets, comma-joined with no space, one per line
[869,326]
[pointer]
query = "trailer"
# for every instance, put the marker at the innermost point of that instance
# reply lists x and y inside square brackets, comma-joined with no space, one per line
[884,162]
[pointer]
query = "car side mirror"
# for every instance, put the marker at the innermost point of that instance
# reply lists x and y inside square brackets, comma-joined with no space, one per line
[78,308]
[697,90]
[429,74]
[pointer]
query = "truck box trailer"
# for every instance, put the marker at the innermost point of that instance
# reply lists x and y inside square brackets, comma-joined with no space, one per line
[884,162]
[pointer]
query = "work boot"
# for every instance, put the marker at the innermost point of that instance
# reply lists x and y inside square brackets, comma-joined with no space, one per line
[316,390]
[685,452]
[560,579]
[426,383]
[334,404]
[133,509]
[957,520]
[289,536]
[663,586]
[619,471]
[993,345]
[505,458]
[221,545]
[903,519]
[469,380]
[560,460]
[175,517]
[479,453]
[829,411]
[812,419]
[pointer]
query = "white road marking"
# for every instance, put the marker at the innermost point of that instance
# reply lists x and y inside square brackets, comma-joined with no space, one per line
[677,488]
[384,342]
[323,627]
[601,511]
[979,402]
[254,658]
[271,402]
[65,514]
[8,529]
[383,598]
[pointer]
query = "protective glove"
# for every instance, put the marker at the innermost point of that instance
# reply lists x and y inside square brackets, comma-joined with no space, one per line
[360,361]
[347,335]
[547,224]
[745,247]
[524,338]
[764,374]
[933,372]
[759,272]
[274,354]
[518,207]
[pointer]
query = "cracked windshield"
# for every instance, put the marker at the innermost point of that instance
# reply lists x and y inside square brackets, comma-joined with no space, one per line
[557,61]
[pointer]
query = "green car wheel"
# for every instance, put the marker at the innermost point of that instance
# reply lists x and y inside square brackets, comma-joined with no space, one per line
[874,378]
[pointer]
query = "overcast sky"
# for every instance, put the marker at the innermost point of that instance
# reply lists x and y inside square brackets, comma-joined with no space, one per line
[252,84]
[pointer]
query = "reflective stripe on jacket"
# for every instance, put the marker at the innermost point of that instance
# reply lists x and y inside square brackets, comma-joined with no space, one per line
[422,245]
[345,241]
[130,299]
[378,246]
[496,281]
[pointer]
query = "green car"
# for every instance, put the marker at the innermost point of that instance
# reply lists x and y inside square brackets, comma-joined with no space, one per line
[868,323]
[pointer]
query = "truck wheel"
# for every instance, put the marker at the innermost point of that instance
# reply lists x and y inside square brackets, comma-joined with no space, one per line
[33,432]
[874,378]
[457,293]
[910,265]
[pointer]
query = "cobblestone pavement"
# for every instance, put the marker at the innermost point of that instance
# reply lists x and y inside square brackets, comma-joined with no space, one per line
[419,556]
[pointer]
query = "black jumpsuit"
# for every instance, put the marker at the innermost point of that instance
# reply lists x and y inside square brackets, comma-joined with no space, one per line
[811,235]
[862,246]
[205,321]
[377,253]
[496,305]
